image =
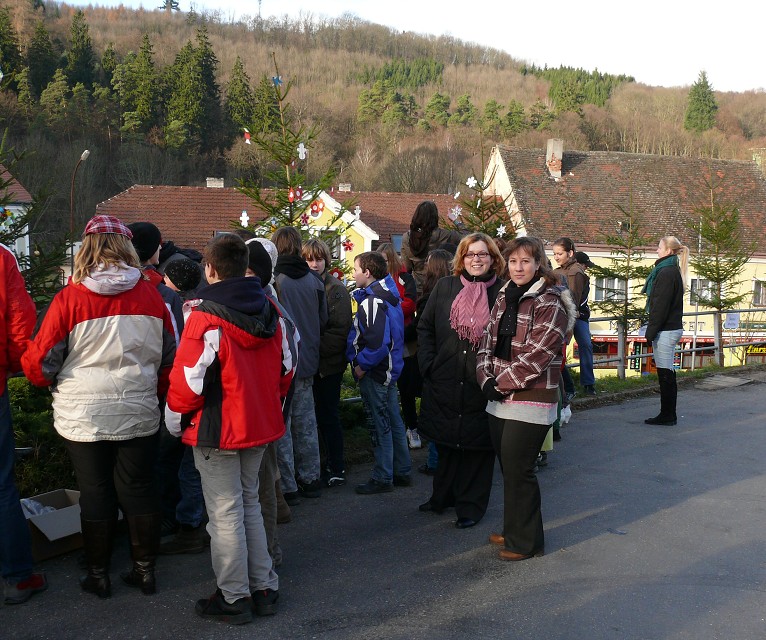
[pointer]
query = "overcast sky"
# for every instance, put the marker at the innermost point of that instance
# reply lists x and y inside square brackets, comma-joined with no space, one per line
[659,42]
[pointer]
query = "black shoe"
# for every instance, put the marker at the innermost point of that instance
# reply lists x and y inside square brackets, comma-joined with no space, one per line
[424,468]
[336,479]
[187,540]
[216,608]
[311,489]
[402,481]
[292,498]
[374,486]
[464,523]
[428,506]
[542,459]
[556,435]
[662,420]
[265,602]
[589,389]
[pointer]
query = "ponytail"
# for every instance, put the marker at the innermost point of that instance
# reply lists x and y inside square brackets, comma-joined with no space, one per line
[674,245]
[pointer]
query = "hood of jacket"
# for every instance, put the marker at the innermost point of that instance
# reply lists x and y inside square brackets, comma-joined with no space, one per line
[112,280]
[384,288]
[293,267]
[242,303]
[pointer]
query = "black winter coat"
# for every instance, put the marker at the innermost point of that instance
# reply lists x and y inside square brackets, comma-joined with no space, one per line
[452,407]
[666,302]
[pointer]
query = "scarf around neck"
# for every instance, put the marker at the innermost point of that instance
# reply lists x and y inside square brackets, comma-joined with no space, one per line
[667,261]
[469,314]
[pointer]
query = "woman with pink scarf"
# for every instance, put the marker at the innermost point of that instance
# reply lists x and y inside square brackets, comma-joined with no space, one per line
[453,409]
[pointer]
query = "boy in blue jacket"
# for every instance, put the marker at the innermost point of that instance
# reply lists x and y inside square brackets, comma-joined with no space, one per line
[375,351]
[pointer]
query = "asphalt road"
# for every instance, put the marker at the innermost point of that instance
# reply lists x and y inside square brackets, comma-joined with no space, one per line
[651,532]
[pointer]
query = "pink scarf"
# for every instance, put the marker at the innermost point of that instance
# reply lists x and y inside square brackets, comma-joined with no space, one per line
[469,315]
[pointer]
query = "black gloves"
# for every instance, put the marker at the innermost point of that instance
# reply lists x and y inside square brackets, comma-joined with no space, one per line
[490,391]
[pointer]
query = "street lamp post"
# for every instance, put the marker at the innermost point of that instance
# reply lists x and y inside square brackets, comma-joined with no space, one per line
[83,158]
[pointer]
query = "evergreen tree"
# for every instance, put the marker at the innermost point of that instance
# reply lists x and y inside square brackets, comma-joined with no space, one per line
[291,200]
[239,102]
[41,59]
[136,84]
[266,116]
[725,250]
[465,112]
[26,97]
[42,267]
[78,110]
[540,117]
[437,109]
[108,64]
[53,103]
[80,56]
[210,126]
[170,6]
[10,53]
[702,107]
[515,120]
[624,277]
[491,122]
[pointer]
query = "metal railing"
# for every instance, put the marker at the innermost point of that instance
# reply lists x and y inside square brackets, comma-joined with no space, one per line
[718,346]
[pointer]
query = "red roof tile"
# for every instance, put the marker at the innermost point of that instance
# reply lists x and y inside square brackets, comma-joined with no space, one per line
[17,193]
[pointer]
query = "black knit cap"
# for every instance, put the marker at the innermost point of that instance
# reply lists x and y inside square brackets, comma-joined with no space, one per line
[146,239]
[259,262]
[183,273]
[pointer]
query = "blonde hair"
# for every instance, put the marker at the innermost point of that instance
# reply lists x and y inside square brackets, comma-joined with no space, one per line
[675,247]
[498,262]
[395,264]
[100,250]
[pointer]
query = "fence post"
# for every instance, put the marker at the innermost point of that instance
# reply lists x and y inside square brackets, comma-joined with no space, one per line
[621,351]
[717,341]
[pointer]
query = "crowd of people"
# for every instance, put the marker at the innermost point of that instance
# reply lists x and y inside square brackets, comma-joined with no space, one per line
[157,361]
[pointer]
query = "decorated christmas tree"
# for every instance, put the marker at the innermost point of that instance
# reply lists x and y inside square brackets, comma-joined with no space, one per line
[475,211]
[285,197]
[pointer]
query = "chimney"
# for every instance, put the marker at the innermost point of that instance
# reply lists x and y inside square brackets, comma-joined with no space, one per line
[344,186]
[215,183]
[553,156]
[759,157]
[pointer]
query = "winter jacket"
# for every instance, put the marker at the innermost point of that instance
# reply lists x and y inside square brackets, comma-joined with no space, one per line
[530,377]
[229,377]
[452,409]
[578,282]
[302,293]
[666,301]
[376,339]
[105,345]
[416,264]
[172,300]
[17,316]
[408,293]
[332,344]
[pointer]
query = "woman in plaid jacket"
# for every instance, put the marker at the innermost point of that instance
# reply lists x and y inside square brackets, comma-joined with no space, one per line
[518,368]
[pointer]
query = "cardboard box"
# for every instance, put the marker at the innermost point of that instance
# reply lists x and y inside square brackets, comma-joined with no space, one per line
[58,531]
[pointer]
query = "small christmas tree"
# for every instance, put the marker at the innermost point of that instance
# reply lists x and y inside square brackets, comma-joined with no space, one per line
[290,199]
[477,212]
[41,268]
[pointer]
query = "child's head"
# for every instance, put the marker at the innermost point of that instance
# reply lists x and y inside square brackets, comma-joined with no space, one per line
[317,254]
[106,243]
[182,275]
[288,241]
[438,265]
[225,256]
[392,258]
[259,262]
[369,267]
[147,240]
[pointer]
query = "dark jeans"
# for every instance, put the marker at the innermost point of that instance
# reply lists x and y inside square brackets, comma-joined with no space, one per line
[517,445]
[191,506]
[167,469]
[15,550]
[326,401]
[409,384]
[112,472]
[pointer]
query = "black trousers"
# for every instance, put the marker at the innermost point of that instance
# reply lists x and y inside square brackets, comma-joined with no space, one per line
[517,445]
[463,479]
[326,408]
[410,385]
[112,472]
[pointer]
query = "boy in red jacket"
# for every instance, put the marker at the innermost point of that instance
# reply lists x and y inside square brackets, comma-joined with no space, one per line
[227,384]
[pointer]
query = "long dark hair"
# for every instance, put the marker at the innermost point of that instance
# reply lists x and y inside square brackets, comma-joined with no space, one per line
[438,265]
[424,221]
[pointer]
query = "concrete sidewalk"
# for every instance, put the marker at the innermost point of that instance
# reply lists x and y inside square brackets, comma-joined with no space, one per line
[651,532]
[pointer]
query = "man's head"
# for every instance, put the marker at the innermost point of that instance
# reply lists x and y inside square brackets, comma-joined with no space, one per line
[288,241]
[225,256]
[369,267]
[147,240]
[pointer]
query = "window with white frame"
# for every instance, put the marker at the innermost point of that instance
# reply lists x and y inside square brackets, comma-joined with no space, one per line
[700,289]
[759,293]
[610,289]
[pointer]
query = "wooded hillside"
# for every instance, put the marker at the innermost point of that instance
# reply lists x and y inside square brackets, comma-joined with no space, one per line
[162,98]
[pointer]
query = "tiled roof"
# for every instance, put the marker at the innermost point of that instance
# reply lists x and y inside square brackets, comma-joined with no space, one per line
[665,190]
[16,193]
[190,215]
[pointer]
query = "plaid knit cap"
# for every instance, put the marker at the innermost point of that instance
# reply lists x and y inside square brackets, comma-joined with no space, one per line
[107,224]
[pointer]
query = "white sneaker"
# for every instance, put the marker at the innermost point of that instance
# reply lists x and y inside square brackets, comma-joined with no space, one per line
[566,415]
[413,439]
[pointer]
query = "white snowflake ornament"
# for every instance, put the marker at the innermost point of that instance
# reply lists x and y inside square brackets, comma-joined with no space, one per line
[455,212]
[501,231]
[471,182]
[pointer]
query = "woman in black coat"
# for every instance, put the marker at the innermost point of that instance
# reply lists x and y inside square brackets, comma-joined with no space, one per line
[453,409]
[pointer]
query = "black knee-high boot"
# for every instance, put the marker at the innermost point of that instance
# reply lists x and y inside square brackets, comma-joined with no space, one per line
[144,546]
[668,396]
[97,538]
